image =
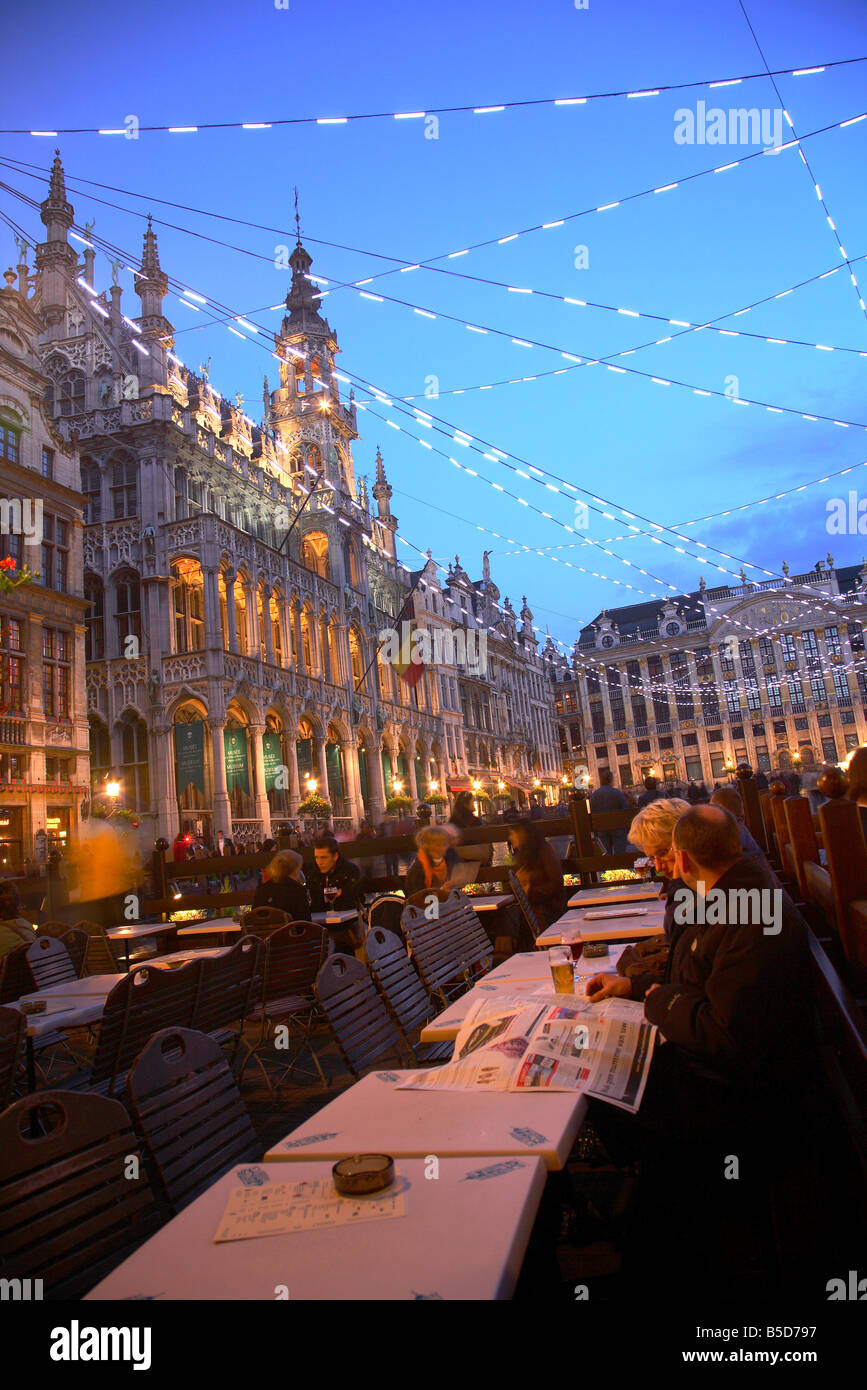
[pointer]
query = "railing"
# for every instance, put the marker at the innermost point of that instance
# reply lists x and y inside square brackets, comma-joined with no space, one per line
[13,730]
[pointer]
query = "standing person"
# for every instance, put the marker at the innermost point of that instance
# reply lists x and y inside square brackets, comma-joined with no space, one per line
[463,814]
[650,793]
[537,810]
[283,888]
[607,797]
[180,847]
[384,831]
[511,813]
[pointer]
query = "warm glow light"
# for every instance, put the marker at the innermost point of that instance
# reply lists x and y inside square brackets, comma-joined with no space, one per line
[502,786]
[112,789]
[536,782]
[477,786]
[312,784]
[564,779]
[433,785]
[397,783]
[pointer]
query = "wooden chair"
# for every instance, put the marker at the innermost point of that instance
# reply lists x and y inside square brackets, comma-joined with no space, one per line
[385,911]
[846,852]
[75,942]
[403,992]
[263,920]
[143,1002]
[100,958]
[15,975]
[50,963]
[293,957]
[450,950]
[228,988]
[188,1111]
[52,928]
[11,1051]
[357,1017]
[528,912]
[69,1209]
[814,881]
[765,800]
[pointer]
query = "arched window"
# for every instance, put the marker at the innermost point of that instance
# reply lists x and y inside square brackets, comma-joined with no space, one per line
[70,394]
[276,628]
[91,486]
[325,650]
[134,762]
[306,642]
[94,630]
[100,754]
[314,553]
[355,657]
[128,611]
[124,488]
[189,606]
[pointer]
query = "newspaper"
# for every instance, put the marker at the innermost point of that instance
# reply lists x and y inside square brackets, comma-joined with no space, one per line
[556,1043]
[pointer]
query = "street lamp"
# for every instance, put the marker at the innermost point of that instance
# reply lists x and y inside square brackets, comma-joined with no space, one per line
[433,785]
[397,783]
[112,789]
[311,784]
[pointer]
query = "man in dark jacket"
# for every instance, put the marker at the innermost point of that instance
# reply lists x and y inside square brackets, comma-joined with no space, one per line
[331,870]
[650,793]
[607,797]
[734,1051]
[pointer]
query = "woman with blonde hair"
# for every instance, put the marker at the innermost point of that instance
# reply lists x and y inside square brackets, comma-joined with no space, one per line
[433,866]
[283,887]
[644,964]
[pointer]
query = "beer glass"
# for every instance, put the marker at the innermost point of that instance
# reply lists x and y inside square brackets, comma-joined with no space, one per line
[560,961]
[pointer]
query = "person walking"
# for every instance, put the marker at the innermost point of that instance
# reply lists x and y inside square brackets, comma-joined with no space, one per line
[606,797]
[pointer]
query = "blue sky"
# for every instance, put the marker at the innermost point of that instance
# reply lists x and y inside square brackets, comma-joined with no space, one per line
[706,248]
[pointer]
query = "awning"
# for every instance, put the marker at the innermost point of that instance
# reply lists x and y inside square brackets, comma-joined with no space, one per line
[459,784]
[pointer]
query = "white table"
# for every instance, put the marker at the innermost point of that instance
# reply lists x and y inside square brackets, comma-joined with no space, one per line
[76,990]
[524,965]
[488,903]
[191,953]
[217,926]
[575,926]
[449,1245]
[446,1026]
[69,1005]
[617,893]
[373,1116]
[135,932]
[333,919]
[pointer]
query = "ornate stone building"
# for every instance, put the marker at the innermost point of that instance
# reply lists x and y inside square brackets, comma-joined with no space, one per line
[774,674]
[237,575]
[43,722]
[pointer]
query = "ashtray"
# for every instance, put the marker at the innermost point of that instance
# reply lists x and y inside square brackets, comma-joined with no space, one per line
[363,1173]
[33,1006]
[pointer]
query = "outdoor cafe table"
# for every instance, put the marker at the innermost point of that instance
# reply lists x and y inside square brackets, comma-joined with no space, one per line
[217,926]
[488,902]
[616,893]
[373,1116]
[140,929]
[448,1245]
[576,924]
[69,1005]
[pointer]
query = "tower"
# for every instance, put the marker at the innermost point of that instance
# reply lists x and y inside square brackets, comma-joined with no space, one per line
[157,334]
[56,262]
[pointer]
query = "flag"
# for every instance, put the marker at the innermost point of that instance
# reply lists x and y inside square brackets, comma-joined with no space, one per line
[408,664]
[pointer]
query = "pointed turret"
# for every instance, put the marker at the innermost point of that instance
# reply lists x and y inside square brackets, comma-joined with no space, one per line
[152,286]
[56,262]
[382,488]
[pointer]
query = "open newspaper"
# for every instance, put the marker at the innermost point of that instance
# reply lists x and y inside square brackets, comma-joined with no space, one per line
[557,1043]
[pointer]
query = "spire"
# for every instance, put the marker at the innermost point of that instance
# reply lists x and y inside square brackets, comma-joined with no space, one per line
[380,467]
[150,261]
[57,183]
[381,488]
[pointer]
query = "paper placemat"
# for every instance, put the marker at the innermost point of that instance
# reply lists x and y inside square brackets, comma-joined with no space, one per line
[278,1209]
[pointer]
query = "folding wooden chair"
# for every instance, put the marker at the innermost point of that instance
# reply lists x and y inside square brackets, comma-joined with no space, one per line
[357,1017]
[100,958]
[50,963]
[403,992]
[385,911]
[293,956]
[528,912]
[70,1206]
[450,951]
[228,988]
[75,942]
[15,975]
[11,1051]
[846,852]
[188,1110]
[262,920]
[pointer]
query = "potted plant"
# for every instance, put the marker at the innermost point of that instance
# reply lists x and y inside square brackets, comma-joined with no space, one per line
[8,578]
[395,805]
[315,806]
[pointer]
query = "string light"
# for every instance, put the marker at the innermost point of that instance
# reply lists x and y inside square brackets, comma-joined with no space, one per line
[470,108]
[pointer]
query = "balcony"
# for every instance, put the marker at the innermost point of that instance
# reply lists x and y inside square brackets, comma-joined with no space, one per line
[13,731]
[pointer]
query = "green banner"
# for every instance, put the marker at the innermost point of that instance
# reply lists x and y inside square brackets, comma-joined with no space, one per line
[237,770]
[190,756]
[272,754]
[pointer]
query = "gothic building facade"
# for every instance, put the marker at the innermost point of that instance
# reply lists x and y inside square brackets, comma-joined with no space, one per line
[234,578]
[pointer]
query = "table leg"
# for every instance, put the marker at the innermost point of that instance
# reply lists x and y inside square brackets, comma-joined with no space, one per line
[30,1058]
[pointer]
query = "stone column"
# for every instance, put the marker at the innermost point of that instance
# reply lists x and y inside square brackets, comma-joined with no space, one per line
[294,794]
[266,615]
[163,797]
[297,643]
[263,809]
[222,805]
[252,621]
[229,580]
[377,782]
[320,765]
[413,783]
[352,777]
[213,622]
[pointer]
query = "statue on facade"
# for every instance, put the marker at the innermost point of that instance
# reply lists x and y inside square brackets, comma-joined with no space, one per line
[205,369]
[21,243]
[154,687]
[115,271]
[239,400]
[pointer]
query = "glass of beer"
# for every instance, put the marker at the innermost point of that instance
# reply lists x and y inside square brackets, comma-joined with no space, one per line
[562,970]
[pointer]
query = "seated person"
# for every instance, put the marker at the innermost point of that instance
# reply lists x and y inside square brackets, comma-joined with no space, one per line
[730,799]
[538,870]
[651,830]
[282,886]
[433,866]
[15,930]
[733,1012]
[331,870]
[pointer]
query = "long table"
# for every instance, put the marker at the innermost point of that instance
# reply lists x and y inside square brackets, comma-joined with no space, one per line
[373,1116]
[616,893]
[70,1005]
[573,926]
[448,1245]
